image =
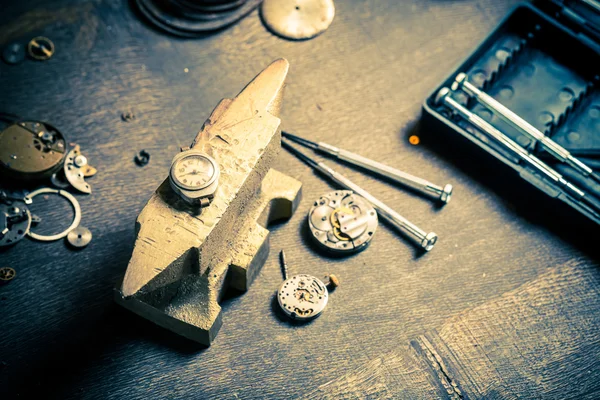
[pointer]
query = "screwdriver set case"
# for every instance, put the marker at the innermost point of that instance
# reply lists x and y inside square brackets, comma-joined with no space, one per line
[543,63]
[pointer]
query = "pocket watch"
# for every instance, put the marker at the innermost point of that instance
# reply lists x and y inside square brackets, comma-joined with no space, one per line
[194,176]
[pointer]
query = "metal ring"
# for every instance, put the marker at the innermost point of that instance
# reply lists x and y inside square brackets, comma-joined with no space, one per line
[76,219]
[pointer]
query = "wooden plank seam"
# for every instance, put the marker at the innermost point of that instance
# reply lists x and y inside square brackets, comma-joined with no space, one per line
[436,362]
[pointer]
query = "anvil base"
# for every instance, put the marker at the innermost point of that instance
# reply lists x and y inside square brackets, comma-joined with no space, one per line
[189,306]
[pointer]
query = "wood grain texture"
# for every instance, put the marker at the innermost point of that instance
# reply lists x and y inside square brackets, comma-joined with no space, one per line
[360,85]
[528,343]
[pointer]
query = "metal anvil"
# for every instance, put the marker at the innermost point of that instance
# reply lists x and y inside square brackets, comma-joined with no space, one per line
[182,263]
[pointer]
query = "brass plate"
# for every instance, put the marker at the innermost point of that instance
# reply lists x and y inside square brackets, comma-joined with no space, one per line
[24,154]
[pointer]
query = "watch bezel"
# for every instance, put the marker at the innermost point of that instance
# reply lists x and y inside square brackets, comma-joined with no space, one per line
[189,153]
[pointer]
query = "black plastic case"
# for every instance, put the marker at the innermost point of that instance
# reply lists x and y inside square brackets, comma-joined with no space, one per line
[542,62]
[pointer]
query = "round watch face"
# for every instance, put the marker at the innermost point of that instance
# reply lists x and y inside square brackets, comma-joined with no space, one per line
[193,172]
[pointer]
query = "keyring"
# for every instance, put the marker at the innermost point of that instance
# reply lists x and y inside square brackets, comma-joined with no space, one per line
[76,219]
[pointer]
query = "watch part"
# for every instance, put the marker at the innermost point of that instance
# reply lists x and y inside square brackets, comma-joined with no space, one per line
[342,222]
[59,180]
[79,237]
[7,274]
[297,19]
[76,218]
[192,18]
[193,172]
[302,297]
[40,48]
[15,222]
[75,169]
[194,176]
[31,150]
[142,158]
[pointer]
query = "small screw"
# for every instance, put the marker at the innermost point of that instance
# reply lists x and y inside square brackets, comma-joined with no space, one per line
[40,48]
[128,116]
[142,158]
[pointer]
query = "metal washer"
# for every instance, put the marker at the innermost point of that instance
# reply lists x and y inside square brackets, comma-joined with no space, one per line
[297,19]
[302,297]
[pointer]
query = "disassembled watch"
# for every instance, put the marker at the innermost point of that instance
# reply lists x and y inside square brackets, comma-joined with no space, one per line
[31,150]
[15,222]
[302,297]
[194,176]
[342,222]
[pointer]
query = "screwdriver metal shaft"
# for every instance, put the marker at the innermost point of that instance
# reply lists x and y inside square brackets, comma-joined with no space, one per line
[443,98]
[425,240]
[462,82]
[443,194]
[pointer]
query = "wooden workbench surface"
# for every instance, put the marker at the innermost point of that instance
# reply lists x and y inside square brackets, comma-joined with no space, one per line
[506,305]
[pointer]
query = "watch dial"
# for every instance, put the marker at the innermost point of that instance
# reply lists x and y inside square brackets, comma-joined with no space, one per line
[193,172]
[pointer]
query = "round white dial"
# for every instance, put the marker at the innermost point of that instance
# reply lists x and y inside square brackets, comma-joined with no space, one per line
[193,172]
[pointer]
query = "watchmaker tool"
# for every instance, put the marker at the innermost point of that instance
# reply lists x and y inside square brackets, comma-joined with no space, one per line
[443,98]
[183,261]
[76,218]
[297,19]
[556,150]
[443,194]
[31,150]
[342,222]
[15,222]
[301,297]
[425,240]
